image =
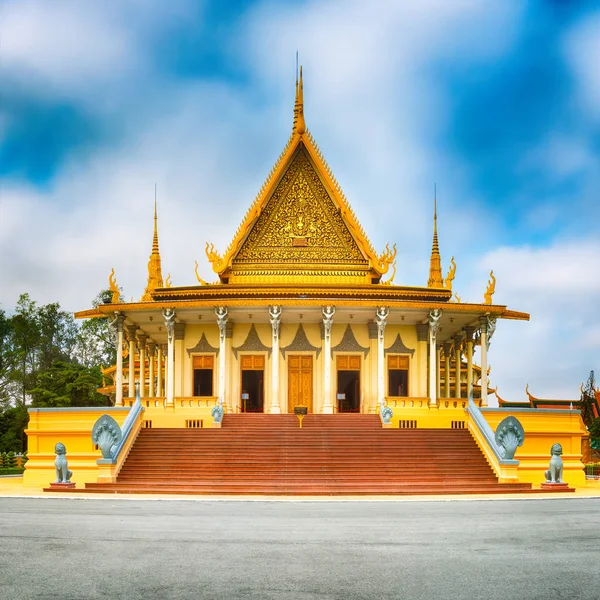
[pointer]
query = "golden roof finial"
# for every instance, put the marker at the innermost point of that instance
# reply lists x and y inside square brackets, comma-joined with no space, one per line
[113,287]
[450,277]
[435,263]
[155,279]
[299,123]
[491,288]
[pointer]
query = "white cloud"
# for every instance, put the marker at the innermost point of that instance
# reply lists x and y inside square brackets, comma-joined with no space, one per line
[371,104]
[560,287]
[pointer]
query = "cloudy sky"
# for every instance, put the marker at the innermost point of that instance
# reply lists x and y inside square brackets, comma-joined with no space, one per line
[496,102]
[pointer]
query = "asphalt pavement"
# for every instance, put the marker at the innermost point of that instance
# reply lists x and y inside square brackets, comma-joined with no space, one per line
[144,549]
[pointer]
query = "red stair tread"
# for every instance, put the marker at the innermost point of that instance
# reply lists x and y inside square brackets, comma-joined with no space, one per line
[330,455]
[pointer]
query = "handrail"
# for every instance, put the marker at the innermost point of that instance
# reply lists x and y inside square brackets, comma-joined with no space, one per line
[485,430]
[127,426]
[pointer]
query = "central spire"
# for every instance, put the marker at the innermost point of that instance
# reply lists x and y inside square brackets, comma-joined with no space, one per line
[155,279]
[435,262]
[299,123]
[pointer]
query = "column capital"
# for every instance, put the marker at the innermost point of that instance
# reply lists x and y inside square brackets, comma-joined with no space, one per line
[151,346]
[381,319]
[372,329]
[328,312]
[422,332]
[179,331]
[275,318]
[169,317]
[142,337]
[447,349]
[469,331]
[434,321]
[221,313]
[131,332]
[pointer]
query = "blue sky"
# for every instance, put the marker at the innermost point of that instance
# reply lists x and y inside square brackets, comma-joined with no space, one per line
[496,102]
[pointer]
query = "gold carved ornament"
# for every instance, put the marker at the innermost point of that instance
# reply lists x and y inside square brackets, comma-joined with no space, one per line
[385,259]
[113,287]
[491,288]
[450,277]
[299,223]
[200,280]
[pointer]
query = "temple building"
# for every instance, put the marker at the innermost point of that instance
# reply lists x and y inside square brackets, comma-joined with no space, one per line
[304,369]
[304,313]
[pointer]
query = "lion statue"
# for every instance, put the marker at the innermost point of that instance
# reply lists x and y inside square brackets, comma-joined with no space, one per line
[554,473]
[63,475]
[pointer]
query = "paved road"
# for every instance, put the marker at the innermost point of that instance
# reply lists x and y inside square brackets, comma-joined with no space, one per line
[115,548]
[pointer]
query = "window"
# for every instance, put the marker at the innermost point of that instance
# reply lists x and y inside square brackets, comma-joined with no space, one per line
[397,375]
[203,375]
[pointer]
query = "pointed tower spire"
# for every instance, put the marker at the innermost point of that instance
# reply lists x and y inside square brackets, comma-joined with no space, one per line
[435,262]
[299,123]
[155,279]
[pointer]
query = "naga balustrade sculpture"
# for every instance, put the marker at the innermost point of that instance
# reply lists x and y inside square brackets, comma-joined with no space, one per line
[509,436]
[386,414]
[106,434]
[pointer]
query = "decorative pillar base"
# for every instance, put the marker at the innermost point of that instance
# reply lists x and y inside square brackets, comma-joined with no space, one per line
[328,410]
[275,410]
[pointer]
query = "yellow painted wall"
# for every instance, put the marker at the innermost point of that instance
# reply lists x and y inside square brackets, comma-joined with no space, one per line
[543,428]
[72,427]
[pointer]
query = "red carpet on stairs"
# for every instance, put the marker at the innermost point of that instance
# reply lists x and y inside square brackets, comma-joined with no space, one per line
[330,455]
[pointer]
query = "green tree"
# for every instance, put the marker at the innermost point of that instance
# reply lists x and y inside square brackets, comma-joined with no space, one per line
[13,422]
[68,384]
[25,343]
[95,341]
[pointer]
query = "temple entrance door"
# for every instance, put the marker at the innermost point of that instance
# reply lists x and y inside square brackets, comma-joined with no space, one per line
[348,384]
[253,380]
[300,382]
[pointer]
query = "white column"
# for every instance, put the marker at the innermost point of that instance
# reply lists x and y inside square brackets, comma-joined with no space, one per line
[447,350]
[381,319]
[169,316]
[117,329]
[151,355]
[179,359]
[488,326]
[328,312]
[142,337]
[221,313]
[160,371]
[469,331]
[131,329]
[422,337]
[275,314]
[434,322]
[457,359]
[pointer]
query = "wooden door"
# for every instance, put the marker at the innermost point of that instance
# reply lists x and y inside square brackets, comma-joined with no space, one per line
[300,382]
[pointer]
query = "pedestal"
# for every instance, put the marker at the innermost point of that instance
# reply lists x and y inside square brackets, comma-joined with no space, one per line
[556,487]
[60,487]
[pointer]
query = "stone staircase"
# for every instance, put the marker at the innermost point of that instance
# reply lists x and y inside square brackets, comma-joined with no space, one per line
[330,455]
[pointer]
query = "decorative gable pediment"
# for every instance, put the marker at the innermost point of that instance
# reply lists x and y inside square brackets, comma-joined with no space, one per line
[300,224]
